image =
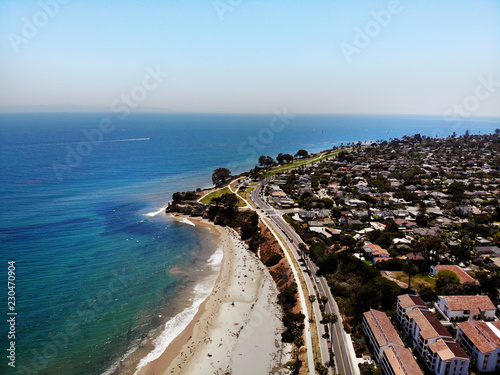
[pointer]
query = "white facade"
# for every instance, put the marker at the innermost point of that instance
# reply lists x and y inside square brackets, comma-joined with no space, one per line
[467,307]
[434,344]
[482,342]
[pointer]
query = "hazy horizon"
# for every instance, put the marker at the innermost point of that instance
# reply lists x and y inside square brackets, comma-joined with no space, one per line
[225,56]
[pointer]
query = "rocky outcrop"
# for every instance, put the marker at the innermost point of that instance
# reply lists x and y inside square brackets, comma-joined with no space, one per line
[219,215]
[190,208]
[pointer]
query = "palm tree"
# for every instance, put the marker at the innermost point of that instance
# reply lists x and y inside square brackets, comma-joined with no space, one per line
[411,269]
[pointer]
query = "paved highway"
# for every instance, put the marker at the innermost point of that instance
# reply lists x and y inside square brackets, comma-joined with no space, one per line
[343,358]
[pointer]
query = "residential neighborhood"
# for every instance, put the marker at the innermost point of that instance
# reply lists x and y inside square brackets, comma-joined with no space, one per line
[406,233]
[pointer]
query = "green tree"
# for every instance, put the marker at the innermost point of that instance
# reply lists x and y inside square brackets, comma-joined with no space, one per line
[302,154]
[410,269]
[266,161]
[369,369]
[221,177]
[329,318]
[284,158]
[446,279]
[428,294]
[320,368]
[336,212]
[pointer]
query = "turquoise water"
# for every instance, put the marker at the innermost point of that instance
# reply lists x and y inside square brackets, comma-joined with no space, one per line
[94,271]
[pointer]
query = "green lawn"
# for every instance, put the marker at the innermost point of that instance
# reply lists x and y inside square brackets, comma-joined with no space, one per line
[246,193]
[218,193]
[416,279]
[300,162]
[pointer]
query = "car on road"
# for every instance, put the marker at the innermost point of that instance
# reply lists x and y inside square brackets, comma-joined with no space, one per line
[317,280]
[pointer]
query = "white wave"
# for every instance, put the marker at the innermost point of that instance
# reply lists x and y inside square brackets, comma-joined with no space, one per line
[179,322]
[186,221]
[128,140]
[216,259]
[154,213]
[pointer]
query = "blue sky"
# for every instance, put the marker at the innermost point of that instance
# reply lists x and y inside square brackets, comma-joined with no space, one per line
[243,56]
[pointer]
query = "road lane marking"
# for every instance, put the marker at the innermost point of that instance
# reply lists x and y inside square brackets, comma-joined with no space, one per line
[336,331]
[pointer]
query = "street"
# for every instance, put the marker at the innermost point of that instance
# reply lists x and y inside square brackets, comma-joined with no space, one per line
[342,355]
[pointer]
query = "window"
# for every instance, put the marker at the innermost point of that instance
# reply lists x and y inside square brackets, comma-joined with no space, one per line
[485,361]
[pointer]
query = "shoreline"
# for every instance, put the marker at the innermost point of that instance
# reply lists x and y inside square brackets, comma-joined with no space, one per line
[185,304]
[222,337]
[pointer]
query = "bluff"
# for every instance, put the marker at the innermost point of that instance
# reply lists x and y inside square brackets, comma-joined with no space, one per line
[219,215]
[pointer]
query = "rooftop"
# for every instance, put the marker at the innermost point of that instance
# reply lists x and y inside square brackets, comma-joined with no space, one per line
[382,328]
[402,361]
[481,335]
[462,275]
[430,326]
[475,304]
[447,350]
[409,300]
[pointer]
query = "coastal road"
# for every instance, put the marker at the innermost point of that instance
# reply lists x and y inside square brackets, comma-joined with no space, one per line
[343,360]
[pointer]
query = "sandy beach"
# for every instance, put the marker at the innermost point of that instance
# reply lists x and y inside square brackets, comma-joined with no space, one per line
[238,327]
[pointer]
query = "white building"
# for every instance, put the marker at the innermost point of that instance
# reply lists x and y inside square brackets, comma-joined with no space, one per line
[406,303]
[465,307]
[482,342]
[432,341]
[388,348]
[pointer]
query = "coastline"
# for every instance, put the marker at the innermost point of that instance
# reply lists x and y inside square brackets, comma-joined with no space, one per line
[226,338]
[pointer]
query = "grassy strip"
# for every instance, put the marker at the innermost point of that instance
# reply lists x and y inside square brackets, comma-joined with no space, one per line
[300,162]
[218,193]
[246,193]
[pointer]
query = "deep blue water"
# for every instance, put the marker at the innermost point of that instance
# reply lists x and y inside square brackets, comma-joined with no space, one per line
[92,270]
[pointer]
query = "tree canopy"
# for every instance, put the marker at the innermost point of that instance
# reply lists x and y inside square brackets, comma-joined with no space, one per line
[284,158]
[302,154]
[221,176]
[266,161]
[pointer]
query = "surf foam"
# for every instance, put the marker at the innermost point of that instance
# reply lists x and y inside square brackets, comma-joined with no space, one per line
[178,323]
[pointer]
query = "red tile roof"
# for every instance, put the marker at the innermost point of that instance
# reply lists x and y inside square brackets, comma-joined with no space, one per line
[476,304]
[409,300]
[484,335]
[447,350]
[402,361]
[462,275]
[430,326]
[382,328]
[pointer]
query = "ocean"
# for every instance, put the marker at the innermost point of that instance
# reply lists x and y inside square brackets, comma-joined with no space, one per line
[98,266]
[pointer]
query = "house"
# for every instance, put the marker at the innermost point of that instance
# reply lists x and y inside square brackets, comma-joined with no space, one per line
[482,341]
[375,252]
[425,231]
[307,215]
[388,348]
[465,307]
[462,275]
[482,250]
[413,256]
[322,231]
[432,341]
